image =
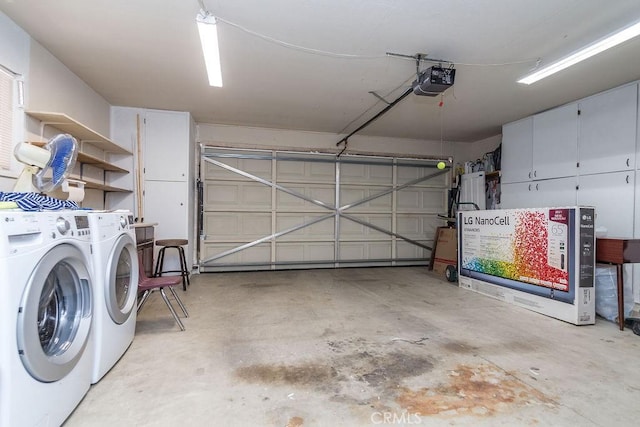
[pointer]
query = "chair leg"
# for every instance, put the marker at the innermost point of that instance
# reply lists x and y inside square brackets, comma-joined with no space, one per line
[175,315]
[159,263]
[143,299]
[183,267]
[175,295]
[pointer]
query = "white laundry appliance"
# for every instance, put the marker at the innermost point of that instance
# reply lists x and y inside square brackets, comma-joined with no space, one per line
[45,316]
[115,263]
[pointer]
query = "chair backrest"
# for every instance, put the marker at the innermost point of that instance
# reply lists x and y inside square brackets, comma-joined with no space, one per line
[142,274]
[146,282]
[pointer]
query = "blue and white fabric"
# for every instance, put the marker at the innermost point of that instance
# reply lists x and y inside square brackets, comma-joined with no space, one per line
[35,202]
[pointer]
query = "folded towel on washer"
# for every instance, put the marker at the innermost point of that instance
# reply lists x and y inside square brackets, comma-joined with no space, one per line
[35,202]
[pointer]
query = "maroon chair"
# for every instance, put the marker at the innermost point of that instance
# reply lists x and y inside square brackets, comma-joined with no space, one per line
[147,285]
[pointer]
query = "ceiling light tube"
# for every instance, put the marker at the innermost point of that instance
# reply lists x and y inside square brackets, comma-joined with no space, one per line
[208,29]
[584,53]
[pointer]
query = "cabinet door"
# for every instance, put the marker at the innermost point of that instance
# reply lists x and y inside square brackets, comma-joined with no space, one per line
[165,203]
[636,235]
[538,194]
[555,142]
[517,140]
[556,192]
[166,154]
[612,194]
[517,195]
[607,138]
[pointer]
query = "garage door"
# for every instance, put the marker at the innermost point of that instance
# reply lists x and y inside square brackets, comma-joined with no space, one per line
[274,210]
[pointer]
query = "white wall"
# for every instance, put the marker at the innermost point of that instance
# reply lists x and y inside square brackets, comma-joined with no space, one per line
[475,150]
[54,88]
[14,54]
[51,87]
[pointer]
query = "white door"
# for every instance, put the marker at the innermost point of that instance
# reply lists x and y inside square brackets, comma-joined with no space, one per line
[607,138]
[517,145]
[555,143]
[612,194]
[555,192]
[539,194]
[269,210]
[165,203]
[472,192]
[166,154]
[519,195]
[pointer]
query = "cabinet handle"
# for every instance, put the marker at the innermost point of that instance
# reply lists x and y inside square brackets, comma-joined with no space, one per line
[627,179]
[627,162]
[529,187]
[536,187]
[535,174]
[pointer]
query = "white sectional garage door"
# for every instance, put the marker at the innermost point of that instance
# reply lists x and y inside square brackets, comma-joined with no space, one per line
[272,210]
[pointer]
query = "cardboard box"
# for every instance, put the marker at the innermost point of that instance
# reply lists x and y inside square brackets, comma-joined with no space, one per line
[541,259]
[446,249]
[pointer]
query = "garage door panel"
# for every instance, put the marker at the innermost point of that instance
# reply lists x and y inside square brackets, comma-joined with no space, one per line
[299,171]
[319,231]
[428,200]
[351,173]
[410,173]
[259,168]
[256,254]
[304,251]
[236,226]
[417,226]
[289,202]
[407,250]
[236,195]
[350,194]
[352,251]
[237,211]
[351,230]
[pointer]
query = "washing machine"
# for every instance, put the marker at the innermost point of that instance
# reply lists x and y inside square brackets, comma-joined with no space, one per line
[115,286]
[45,316]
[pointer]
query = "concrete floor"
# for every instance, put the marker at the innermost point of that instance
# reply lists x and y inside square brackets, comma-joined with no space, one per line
[362,347]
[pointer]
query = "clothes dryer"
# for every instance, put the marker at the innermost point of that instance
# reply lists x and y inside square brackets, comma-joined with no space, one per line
[45,316]
[115,263]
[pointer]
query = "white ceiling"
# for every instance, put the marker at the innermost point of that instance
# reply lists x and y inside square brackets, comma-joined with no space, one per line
[146,53]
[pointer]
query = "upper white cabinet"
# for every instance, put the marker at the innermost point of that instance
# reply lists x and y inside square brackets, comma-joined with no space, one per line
[166,153]
[517,143]
[607,131]
[555,143]
[543,146]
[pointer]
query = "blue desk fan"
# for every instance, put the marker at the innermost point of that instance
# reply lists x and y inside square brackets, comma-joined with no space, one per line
[46,168]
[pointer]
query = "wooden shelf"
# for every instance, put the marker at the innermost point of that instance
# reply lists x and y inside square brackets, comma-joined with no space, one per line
[96,185]
[92,160]
[88,159]
[66,124]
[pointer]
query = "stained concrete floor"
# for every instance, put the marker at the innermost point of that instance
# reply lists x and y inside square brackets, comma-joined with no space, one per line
[362,347]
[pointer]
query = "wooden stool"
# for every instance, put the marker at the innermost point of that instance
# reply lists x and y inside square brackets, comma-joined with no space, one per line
[175,244]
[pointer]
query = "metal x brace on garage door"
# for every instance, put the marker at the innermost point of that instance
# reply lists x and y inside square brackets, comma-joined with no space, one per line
[335,212]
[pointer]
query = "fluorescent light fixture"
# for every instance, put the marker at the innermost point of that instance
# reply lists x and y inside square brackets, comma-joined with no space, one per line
[208,29]
[584,53]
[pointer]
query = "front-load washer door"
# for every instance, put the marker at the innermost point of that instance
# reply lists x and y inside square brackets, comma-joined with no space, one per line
[122,279]
[54,317]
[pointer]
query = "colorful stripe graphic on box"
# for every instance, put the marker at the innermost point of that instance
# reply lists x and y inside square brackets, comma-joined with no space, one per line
[519,248]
